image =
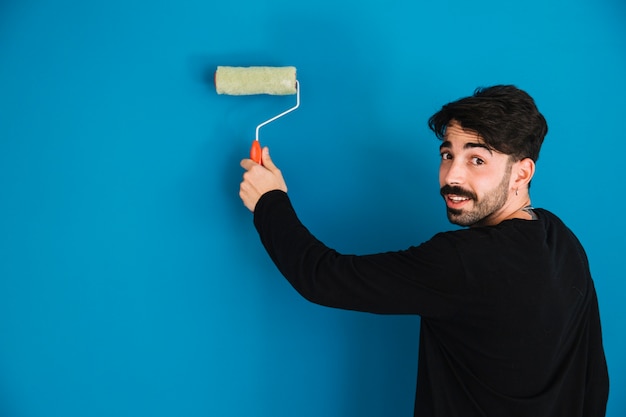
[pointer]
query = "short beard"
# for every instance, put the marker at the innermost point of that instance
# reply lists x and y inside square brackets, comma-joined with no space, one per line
[489,204]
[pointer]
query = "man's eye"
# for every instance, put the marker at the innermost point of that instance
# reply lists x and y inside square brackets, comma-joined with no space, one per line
[446,155]
[477,161]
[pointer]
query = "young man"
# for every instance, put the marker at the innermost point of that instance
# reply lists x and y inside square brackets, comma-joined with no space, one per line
[509,315]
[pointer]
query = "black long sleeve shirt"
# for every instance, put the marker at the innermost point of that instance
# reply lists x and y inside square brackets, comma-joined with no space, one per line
[509,314]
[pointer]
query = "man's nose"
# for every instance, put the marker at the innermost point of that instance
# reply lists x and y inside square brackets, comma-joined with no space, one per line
[453,173]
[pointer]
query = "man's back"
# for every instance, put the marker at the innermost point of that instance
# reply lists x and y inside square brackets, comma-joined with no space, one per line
[526,340]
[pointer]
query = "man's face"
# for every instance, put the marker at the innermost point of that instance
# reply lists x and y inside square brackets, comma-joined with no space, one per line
[474,180]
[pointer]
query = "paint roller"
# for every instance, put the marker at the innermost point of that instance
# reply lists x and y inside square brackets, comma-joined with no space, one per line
[241,81]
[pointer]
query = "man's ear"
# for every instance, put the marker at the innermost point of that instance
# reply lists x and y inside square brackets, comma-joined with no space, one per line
[523,172]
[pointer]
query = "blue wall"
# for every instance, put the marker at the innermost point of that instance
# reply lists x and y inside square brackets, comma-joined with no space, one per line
[131,279]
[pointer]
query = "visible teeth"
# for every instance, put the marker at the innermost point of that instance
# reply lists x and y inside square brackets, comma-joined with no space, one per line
[457,199]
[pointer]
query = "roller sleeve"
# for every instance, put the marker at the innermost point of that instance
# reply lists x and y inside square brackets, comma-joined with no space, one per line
[255,80]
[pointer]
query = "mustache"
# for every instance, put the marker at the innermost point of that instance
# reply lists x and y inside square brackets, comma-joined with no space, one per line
[450,189]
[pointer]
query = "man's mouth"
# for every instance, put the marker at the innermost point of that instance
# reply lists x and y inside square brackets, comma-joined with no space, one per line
[456,201]
[456,197]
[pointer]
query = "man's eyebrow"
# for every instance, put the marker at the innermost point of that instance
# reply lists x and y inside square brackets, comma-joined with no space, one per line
[468,145]
[471,145]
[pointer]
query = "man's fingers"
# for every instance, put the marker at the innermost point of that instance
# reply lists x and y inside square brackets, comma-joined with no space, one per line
[267,159]
[247,163]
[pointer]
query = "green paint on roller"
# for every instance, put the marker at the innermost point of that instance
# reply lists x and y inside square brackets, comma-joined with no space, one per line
[239,81]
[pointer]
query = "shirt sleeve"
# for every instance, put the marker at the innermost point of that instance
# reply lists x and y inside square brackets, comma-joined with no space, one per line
[425,279]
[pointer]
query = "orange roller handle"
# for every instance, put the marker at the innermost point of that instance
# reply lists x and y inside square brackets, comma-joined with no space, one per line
[255,152]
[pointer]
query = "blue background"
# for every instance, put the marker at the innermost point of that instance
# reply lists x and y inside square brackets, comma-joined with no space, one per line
[132,281]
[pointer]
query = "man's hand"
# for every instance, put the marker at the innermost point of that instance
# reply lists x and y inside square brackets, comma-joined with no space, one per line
[259,179]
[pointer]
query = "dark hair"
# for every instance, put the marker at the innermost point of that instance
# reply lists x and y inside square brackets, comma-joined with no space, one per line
[504,116]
